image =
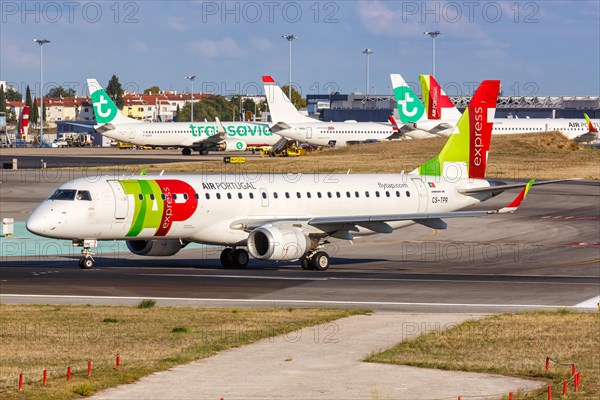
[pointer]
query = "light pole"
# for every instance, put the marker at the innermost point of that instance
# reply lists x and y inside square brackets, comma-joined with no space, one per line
[368,52]
[41,42]
[290,39]
[191,78]
[433,35]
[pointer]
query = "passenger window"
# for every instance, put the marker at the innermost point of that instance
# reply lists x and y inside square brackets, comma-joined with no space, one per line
[229,196]
[84,195]
[387,194]
[174,196]
[185,196]
[152,196]
[308,194]
[197,196]
[207,195]
[407,193]
[397,193]
[377,194]
[366,194]
[329,194]
[218,196]
[338,194]
[287,195]
[141,196]
[162,196]
[348,195]
[298,195]
[356,194]
[264,195]
[251,195]
[275,195]
[319,194]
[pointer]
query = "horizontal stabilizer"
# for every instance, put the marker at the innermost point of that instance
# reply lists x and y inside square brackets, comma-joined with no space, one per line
[499,187]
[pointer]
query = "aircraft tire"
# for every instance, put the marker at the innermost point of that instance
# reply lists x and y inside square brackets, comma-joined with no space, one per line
[240,258]
[227,258]
[320,261]
[186,151]
[86,263]
[305,263]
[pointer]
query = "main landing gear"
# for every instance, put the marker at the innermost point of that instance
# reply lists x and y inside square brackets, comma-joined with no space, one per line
[317,261]
[234,258]
[186,151]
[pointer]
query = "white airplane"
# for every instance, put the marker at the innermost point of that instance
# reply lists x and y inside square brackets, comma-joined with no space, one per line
[288,122]
[277,217]
[438,117]
[196,136]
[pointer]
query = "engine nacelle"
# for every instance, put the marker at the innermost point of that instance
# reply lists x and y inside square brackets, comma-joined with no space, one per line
[270,243]
[156,248]
[233,145]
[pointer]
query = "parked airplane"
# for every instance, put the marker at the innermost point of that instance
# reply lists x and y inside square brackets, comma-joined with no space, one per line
[288,122]
[190,136]
[277,217]
[439,115]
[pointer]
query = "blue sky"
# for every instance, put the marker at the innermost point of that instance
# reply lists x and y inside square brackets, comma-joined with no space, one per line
[533,47]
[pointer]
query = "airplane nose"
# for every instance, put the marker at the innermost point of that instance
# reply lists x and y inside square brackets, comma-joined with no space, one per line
[35,224]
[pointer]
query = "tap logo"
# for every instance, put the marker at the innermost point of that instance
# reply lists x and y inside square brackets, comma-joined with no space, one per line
[104,107]
[158,204]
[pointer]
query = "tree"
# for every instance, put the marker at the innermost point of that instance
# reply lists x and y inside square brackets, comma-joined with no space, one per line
[152,90]
[60,91]
[297,99]
[11,117]
[177,111]
[2,100]
[115,91]
[207,107]
[34,112]
[44,113]
[28,101]
[12,95]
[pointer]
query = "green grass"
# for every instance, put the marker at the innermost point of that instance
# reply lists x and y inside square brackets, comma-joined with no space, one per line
[513,345]
[34,337]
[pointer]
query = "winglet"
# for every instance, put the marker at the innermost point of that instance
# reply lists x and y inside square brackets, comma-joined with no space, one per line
[591,126]
[512,207]
[268,79]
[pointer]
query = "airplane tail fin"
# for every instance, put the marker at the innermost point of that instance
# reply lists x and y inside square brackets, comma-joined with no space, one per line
[466,151]
[23,128]
[410,108]
[105,109]
[438,105]
[280,107]
[591,126]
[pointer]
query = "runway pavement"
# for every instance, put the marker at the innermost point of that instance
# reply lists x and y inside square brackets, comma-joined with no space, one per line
[544,256]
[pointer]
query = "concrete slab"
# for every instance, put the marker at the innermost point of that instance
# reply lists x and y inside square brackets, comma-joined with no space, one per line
[323,362]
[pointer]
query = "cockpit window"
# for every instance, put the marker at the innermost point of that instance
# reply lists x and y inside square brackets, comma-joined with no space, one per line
[84,195]
[63,194]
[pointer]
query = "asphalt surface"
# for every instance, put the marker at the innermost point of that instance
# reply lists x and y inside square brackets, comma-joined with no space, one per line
[544,256]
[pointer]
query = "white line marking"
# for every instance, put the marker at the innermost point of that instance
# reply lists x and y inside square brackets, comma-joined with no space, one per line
[333,278]
[288,301]
[589,303]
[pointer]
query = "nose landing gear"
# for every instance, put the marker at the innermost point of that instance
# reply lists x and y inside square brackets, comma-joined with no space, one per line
[87,261]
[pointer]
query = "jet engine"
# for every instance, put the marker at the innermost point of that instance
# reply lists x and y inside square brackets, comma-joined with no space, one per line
[271,243]
[160,248]
[233,145]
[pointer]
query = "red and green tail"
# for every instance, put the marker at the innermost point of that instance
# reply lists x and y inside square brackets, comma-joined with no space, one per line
[466,151]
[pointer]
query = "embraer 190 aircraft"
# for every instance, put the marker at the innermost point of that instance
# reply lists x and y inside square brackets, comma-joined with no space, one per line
[277,217]
[288,122]
[438,117]
[190,136]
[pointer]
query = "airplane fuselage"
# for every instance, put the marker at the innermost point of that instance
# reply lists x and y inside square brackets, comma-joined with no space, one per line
[187,134]
[215,209]
[337,134]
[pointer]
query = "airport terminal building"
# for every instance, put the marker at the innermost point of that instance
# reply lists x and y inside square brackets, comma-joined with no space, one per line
[343,107]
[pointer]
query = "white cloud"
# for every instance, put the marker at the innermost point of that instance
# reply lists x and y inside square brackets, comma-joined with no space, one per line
[139,46]
[223,48]
[260,43]
[177,24]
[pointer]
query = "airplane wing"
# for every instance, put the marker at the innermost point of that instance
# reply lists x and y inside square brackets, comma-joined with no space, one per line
[280,126]
[103,128]
[499,187]
[217,137]
[340,226]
